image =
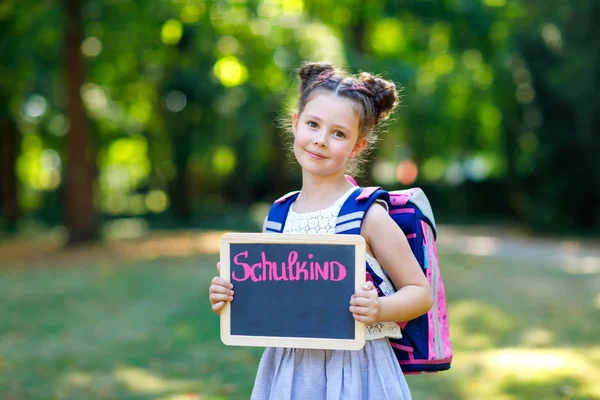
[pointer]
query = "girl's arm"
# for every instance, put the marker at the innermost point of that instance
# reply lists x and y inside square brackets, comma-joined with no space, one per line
[389,245]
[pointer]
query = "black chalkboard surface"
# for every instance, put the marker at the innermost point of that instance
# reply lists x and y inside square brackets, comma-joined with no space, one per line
[292,290]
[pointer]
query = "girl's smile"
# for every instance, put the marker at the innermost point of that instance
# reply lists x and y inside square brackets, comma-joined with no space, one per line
[316,156]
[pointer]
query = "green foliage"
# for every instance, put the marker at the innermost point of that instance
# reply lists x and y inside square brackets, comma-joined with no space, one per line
[183,97]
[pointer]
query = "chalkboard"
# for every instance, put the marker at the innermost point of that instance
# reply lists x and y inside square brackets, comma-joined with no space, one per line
[292,290]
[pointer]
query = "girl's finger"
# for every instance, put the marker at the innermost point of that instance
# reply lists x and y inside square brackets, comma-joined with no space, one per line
[366,295]
[221,282]
[216,297]
[362,302]
[359,310]
[220,289]
[218,306]
[219,266]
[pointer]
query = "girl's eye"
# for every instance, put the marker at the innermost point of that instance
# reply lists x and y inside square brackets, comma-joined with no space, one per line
[312,124]
[339,134]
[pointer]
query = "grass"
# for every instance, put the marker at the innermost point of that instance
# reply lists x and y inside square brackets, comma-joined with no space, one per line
[144,330]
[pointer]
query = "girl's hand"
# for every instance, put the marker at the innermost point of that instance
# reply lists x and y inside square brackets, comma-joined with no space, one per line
[220,292]
[364,304]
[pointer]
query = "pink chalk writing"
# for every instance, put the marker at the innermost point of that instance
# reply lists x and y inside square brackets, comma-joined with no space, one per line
[292,270]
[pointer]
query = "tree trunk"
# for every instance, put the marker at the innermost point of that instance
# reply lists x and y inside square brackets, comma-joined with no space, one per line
[179,188]
[358,28]
[8,178]
[81,218]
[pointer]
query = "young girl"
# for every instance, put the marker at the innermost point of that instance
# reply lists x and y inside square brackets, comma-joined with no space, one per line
[334,123]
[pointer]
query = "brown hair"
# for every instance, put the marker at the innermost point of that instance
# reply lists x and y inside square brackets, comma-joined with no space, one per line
[376,97]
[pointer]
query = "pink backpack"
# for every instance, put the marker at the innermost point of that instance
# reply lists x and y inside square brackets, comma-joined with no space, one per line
[425,344]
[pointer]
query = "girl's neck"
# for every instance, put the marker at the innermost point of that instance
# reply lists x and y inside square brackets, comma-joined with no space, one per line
[320,192]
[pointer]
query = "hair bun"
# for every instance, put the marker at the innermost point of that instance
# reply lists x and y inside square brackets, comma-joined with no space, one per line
[310,72]
[385,95]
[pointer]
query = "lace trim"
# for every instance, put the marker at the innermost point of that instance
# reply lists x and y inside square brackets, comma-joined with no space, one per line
[381,330]
[315,222]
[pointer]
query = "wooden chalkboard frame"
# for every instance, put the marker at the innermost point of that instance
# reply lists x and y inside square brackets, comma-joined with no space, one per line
[293,342]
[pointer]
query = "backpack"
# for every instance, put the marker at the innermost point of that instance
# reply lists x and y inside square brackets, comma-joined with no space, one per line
[425,344]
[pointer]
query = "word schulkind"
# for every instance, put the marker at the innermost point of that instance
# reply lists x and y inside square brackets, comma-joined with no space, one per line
[292,270]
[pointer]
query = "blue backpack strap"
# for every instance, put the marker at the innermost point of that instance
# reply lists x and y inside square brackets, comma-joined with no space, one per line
[279,211]
[350,218]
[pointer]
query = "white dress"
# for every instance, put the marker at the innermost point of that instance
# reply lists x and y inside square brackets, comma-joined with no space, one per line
[299,374]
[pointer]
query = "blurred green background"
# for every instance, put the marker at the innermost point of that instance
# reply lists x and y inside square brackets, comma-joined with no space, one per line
[132,133]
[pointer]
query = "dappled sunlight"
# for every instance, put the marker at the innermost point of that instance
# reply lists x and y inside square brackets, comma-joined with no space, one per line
[575,257]
[472,321]
[494,374]
[178,245]
[185,396]
[548,365]
[482,246]
[467,243]
[584,265]
[528,364]
[78,378]
[149,332]
[154,245]
[538,337]
[139,381]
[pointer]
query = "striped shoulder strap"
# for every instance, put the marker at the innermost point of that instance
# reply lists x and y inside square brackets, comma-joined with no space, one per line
[350,218]
[279,211]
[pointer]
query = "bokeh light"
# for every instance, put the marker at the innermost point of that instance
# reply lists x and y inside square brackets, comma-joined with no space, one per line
[171,32]
[433,168]
[59,125]
[91,46]
[224,160]
[191,13]
[157,201]
[35,106]
[176,101]
[406,172]
[387,37]
[230,71]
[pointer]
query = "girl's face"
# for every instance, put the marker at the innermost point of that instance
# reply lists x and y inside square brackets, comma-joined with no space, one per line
[326,134]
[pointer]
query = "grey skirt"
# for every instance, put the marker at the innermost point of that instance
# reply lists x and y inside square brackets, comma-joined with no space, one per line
[309,374]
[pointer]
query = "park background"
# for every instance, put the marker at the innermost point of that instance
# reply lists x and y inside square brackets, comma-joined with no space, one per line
[134,133]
